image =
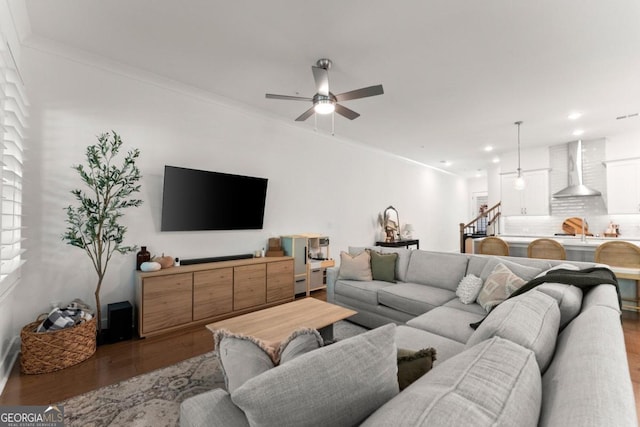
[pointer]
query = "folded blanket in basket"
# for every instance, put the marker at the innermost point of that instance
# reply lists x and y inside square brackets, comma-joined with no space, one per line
[65,318]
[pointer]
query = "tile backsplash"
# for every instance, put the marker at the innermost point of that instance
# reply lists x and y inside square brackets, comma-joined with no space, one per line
[593,209]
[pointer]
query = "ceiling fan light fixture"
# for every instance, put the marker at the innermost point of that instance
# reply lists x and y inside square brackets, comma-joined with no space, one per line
[324,106]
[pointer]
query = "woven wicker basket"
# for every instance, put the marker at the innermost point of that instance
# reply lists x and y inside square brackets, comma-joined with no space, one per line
[44,352]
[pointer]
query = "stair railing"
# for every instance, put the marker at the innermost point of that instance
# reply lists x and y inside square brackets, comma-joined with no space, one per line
[485,224]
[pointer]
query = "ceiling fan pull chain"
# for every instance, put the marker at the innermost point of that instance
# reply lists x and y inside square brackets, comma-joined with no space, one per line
[315,122]
[333,124]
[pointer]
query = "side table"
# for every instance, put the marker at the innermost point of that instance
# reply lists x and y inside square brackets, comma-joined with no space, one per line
[400,243]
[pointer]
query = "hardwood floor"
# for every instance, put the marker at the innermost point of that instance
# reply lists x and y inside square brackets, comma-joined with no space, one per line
[116,362]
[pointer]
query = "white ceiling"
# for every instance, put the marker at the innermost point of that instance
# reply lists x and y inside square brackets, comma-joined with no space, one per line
[456,73]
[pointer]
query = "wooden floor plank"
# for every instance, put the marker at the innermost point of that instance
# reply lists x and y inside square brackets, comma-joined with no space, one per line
[116,362]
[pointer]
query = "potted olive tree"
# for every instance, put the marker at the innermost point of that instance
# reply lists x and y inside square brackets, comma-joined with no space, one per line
[94,223]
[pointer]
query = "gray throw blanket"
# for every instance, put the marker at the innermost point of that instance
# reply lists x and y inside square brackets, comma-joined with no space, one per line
[585,278]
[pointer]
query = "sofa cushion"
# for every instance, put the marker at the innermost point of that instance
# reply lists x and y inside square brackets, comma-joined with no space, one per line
[355,267]
[412,298]
[347,389]
[448,322]
[469,288]
[415,339]
[362,291]
[211,408]
[443,270]
[587,383]
[526,272]
[563,266]
[414,364]
[530,320]
[357,250]
[472,308]
[501,283]
[569,299]
[383,266]
[495,383]
[402,263]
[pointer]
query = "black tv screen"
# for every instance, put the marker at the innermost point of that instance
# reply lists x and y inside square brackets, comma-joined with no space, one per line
[201,200]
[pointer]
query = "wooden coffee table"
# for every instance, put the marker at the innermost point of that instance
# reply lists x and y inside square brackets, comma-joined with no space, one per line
[274,324]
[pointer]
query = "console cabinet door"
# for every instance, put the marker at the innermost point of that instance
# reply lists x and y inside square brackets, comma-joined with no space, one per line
[279,281]
[212,293]
[168,301]
[249,286]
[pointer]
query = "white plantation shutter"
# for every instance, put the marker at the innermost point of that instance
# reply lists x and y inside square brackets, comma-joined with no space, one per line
[13,122]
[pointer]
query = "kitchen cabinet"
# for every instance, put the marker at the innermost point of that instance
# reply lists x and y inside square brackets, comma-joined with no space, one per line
[623,186]
[533,200]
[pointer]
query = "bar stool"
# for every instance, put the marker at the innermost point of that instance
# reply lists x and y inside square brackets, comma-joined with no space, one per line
[624,260]
[546,249]
[493,246]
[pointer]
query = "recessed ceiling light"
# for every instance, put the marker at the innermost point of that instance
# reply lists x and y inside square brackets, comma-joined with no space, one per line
[578,132]
[445,162]
[488,148]
[496,160]
[574,116]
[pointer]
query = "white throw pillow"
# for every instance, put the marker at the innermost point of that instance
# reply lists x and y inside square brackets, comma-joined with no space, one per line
[469,288]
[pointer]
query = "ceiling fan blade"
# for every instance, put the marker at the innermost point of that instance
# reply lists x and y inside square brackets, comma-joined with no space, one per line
[304,116]
[287,97]
[346,112]
[360,93]
[321,76]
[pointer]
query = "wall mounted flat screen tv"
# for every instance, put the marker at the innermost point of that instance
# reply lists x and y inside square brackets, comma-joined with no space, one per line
[201,200]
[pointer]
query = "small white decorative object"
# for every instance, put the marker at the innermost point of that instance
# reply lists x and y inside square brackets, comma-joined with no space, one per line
[150,266]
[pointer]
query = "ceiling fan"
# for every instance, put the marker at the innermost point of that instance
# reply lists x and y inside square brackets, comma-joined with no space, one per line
[325,102]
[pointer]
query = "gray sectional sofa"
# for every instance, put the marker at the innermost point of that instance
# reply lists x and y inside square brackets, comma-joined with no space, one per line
[585,380]
[553,356]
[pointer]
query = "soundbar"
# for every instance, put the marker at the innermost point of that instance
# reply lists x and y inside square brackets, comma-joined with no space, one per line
[214,259]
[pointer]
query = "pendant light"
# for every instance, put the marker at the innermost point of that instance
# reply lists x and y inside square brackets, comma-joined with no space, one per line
[519,183]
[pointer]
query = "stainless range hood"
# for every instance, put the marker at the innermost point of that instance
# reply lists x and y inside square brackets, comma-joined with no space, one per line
[576,187]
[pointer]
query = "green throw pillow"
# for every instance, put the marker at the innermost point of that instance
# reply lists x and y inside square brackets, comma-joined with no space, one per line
[383,266]
[414,364]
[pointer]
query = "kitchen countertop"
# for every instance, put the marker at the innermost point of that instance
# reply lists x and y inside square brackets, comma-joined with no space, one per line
[577,250]
[567,241]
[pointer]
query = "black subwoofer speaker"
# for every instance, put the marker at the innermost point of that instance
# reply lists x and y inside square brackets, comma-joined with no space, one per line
[120,321]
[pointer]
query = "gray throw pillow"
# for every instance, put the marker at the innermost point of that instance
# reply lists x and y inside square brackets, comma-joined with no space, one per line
[355,267]
[337,385]
[243,357]
[495,383]
[383,266]
[530,320]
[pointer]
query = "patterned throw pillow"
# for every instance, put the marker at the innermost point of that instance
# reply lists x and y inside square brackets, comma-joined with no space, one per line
[499,285]
[355,267]
[469,288]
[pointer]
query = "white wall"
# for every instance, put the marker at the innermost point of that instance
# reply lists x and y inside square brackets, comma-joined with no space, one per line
[317,183]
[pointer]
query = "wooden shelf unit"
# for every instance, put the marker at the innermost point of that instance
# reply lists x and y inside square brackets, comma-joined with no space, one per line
[178,297]
[310,273]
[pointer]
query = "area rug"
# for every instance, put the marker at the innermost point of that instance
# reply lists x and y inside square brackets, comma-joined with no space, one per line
[153,399]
